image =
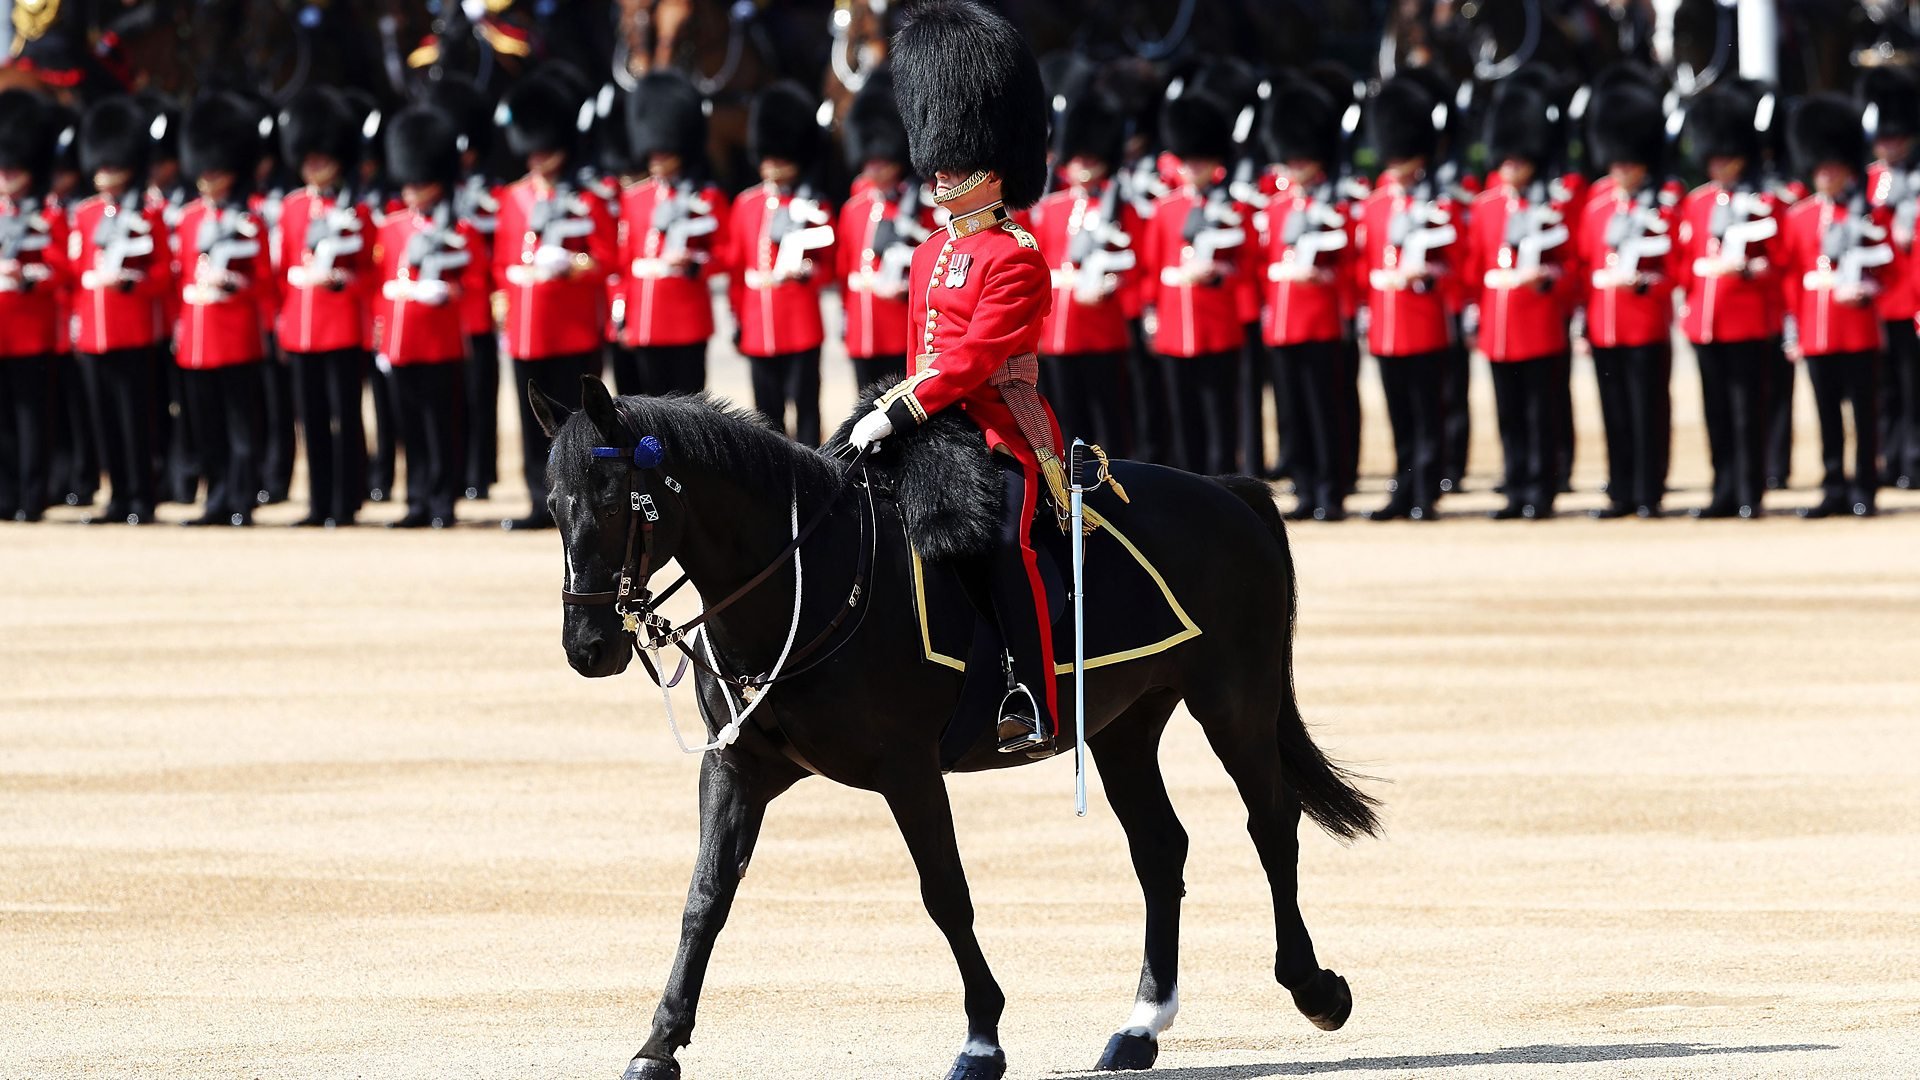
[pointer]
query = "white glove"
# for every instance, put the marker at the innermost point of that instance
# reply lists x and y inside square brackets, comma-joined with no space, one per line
[432,292]
[552,261]
[1470,320]
[871,429]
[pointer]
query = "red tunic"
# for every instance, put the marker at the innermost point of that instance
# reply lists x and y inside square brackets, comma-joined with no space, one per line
[322,312]
[1075,327]
[1809,278]
[112,317]
[776,315]
[1408,315]
[664,304]
[875,322]
[1519,320]
[1898,298]
[1198,304]
[1628,303]
[1729,298]
[411,331]
[223,319]
[1305,257]
[566,314]
[32,282]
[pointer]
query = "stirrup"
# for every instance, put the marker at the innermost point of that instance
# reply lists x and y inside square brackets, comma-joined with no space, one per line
[1019,731]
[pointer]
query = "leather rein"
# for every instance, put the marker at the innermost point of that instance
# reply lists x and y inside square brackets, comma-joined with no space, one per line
[638,607]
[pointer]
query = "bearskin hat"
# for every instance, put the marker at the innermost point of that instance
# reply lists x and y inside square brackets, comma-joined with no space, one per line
[1894,97]
[1826,127]
[1401,122]
[541,113]
[1302,124]
[1626,125]
[1720,123]
[1089,125]
[319,121]
[1133,87]
[116,134]
[1442,92]
[1334,79]
[1522,125]
[1540,78]
[222,134]
[26,133]
[970,93]
[423,147]
[163,117]
[1197,125]
[780,124]
[461,100]
[665,116]
[874,129]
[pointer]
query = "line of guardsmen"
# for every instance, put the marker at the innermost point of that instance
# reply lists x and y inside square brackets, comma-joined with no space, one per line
[172,316]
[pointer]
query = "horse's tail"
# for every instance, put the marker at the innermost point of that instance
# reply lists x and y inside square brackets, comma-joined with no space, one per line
[1326,790]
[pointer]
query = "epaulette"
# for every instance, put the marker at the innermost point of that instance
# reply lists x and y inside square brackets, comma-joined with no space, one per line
[1026,239]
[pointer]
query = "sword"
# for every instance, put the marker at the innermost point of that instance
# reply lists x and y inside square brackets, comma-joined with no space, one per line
[1077,513]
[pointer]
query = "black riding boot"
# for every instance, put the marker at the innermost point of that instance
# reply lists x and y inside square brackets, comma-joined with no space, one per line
[1005,585]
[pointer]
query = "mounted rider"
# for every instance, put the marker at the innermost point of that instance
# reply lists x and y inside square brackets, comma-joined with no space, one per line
[976,117]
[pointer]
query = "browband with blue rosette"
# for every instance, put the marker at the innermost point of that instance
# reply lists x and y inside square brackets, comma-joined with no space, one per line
[646,454]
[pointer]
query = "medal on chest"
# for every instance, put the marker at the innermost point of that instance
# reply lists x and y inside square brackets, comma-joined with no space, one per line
[957,266]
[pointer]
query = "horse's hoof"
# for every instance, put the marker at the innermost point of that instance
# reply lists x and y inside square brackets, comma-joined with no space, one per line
[979,1067]
[646,1068]
[1126,1053]
[1326,1001]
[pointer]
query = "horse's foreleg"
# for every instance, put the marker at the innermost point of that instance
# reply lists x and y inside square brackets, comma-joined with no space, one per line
[925,818]
[734,793]
[1128,755]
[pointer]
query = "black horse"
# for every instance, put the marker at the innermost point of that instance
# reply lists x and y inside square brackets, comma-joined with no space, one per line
[724,500]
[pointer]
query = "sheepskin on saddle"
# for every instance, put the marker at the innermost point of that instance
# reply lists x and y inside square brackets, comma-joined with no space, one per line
[944,480]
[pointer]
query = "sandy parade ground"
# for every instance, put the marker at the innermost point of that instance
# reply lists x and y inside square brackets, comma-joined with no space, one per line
[287,803]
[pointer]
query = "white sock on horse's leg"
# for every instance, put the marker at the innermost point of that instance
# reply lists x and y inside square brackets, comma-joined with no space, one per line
[1150,1018]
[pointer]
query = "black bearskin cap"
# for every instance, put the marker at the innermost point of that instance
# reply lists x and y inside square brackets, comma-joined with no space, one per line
[423,147]
[163,118]
[222,134]
[1302,124]
[780,124]
[874,129]
[1894,94]
[26,133]
[541,113]
[116,134]
[1400,121]
[969,90]
[462,101]
[1441,91]
[1334,79]
[665,116]
[319,121]
[1826,127]
[1520,127]
[1197,125]
[1091,125]
[1626,125]
[1719,123]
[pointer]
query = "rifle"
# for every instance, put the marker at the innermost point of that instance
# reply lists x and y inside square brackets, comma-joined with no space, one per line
[681,217]
[1315,230]
[334,234]
[1416,231]
[124,235]
[801,226]
[475,204]
[1100,249]
[559,219]
[21,233]
[1852,245]
[1742,220]
[1531,231]
[1633,234]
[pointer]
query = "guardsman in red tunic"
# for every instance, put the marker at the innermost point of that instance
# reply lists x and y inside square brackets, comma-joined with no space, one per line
[1725,265]
[323,249]
[1306,280]
[427,259]
[33,249]
[1833,248]
[552,253]
[1087,233]
[884,220]
[1197,258]
[980,293]
[1626,246]
[1892,99]
[1408,234]
[780,255]
[123,269]
[226,304]
[1517,251]
[673,225]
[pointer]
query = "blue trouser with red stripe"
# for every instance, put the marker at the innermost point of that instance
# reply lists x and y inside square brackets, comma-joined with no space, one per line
[1005,585]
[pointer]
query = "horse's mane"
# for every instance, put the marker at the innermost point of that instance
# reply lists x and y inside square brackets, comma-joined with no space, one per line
[699,429]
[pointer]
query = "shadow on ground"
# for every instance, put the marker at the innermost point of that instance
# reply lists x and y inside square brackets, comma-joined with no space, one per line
[1546,1054]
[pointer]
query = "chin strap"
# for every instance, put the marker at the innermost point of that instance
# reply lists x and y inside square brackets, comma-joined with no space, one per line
[961,190]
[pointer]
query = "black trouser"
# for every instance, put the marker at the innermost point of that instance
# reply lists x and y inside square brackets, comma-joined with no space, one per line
[386,434]
[120,384]
[1152,426]
[481,378]
[1560,423]
[1456,419]
[1636,409]
[1900,404]
[327,392]
[559,378]
[431,398]
[1524,393]
[789,377]
[1852,378]
[868,370]
[1089,394]
[1000,587]
[223,405]
[661,369]
[1413,387]
[1205,418]
[1347,400]
[1308,376]
[1733,389]
[27,401]
[1250,384]
[1778,373]
[182,468]
[277,452]
[73,457]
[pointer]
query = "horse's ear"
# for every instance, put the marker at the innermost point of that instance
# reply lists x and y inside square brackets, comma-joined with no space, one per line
[550,413]
[598,404]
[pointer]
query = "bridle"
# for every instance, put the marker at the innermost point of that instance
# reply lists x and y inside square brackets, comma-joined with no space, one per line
[647,631]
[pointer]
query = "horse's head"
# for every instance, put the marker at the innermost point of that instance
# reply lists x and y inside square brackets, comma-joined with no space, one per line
[619,518]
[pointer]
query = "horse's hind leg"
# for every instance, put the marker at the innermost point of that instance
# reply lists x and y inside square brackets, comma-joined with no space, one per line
[1241,726]
[1127,754]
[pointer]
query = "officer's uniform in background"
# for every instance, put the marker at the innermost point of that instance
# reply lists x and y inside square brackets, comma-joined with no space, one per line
[878,230]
